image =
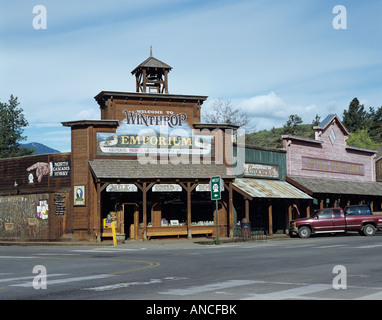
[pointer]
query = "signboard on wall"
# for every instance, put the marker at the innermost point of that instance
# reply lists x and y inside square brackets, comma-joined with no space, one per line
[333,166]
[153,132]
[261,171]
[124,187]
[60,168]
[167,187]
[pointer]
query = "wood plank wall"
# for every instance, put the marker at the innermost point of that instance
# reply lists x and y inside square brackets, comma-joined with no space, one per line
[27,185]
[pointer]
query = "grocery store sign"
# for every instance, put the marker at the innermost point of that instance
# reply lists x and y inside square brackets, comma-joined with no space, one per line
[261,171]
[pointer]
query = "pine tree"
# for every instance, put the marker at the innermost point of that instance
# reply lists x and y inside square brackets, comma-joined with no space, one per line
[12,123]
[375,124]
[355,117]
[290,127]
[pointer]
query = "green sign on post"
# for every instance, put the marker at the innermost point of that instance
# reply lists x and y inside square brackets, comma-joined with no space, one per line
[216,195]
[215,188]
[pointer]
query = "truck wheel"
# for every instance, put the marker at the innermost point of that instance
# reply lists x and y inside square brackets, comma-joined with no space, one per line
[304,232]
[369,230]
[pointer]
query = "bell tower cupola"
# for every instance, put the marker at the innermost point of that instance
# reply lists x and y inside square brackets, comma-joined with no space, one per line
[152,75]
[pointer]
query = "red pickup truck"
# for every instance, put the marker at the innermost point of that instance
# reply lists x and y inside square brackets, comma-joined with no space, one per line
[351,218]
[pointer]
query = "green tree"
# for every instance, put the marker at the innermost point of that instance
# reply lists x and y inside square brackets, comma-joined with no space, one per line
[355,118]
[12,123]
[292,124]
[316,121]
[361,139]
[375,124]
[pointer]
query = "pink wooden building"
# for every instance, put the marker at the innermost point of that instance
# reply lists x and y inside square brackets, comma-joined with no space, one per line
[329,170]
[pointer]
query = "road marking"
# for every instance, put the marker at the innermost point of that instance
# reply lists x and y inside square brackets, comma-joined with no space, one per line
[291,293]
[17,257]
[210,287]
[123,285]
[106,250]
[66,280]
[369,246]
[130,284]
[297,246]
[57,254]
[331,246]
[373,296]
[29,277]
[149,264]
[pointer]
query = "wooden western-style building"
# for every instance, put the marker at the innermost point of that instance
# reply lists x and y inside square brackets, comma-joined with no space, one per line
[35,197]
[145,166]
[329,170]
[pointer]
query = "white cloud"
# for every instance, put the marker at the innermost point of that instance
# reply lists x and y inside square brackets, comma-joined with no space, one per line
[235,50]
[88,114]
[267,106]
[270,110]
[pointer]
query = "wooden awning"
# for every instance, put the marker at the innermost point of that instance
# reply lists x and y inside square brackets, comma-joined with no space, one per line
[261,188]
[109,169]
[330,186]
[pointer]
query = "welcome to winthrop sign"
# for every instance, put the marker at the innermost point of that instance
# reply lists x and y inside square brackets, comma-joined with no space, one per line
[154,132]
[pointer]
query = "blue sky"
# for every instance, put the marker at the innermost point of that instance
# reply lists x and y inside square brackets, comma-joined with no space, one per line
[272,58]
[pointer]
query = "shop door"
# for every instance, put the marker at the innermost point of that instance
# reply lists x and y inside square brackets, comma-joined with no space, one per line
[130,214]
[156,214]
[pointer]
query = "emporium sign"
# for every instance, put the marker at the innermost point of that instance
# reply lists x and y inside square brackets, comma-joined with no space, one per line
[153,144]
[147,132]
[316,164]
[261,171]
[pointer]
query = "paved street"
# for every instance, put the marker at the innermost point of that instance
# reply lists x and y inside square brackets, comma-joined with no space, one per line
[182,270]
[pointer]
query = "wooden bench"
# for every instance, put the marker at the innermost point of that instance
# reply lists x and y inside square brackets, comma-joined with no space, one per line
[168,232]
[175,232]
[201,231]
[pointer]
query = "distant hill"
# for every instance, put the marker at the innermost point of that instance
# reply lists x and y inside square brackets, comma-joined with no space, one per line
[272,138]
[39,148]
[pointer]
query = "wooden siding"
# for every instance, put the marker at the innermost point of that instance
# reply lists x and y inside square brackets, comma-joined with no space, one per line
[15,177]
[115,109]
[378,169]
[21,198]
[264,156]
[327,149]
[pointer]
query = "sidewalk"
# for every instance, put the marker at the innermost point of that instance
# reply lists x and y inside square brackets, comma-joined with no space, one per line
[199,241]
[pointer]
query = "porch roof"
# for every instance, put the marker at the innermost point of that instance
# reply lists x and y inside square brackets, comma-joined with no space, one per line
[133,169]
[330,186]
[261,188]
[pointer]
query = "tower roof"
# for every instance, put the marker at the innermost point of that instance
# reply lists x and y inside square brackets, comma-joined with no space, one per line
[152,62]
[328,120]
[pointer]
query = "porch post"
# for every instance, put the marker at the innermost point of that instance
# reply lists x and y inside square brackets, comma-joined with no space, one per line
[99,220]
[189,234]
[246,208]
[144,191]
[230,209]
[270,219]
